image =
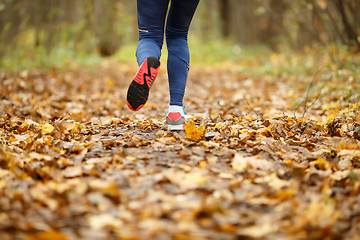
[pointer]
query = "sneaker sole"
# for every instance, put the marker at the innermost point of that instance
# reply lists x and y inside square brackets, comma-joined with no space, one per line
[139,88]
[176,127]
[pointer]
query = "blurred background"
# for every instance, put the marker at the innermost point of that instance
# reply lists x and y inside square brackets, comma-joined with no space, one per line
[221,29]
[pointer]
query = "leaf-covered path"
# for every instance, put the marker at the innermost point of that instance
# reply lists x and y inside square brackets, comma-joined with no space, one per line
[77,164]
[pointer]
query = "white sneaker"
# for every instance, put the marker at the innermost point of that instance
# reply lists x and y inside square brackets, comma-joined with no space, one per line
[175,118]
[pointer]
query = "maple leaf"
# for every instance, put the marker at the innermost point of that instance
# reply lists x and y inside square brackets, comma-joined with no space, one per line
[194,133]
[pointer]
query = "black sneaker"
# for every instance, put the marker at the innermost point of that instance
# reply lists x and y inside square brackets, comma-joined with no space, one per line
[139,88]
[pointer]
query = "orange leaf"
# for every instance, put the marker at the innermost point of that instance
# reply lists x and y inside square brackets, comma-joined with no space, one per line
[194,133]
[54,235]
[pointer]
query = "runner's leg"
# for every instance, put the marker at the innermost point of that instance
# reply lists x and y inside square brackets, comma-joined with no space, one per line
[178,22]
[151,21]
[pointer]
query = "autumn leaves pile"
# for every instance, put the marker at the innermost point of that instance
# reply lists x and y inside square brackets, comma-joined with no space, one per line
[77,164]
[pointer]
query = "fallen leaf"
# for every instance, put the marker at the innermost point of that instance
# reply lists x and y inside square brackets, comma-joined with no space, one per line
[46,128]
[71,172]
[102,221]
[194,133]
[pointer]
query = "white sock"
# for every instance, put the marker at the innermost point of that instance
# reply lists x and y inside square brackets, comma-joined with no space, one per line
[175,108]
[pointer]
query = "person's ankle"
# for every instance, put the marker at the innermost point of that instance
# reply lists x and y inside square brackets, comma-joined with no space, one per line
[175,108]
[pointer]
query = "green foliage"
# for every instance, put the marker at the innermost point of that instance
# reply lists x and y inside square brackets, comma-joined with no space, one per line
[215,51]
[126,53]
[20,59]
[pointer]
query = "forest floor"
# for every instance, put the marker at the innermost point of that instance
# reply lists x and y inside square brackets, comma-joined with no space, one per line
[269,156]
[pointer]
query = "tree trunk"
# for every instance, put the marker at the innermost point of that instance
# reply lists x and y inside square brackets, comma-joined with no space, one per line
[349,29]
[109,41]
[225,17]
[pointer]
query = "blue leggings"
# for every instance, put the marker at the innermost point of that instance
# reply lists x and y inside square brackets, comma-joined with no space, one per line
[151,22]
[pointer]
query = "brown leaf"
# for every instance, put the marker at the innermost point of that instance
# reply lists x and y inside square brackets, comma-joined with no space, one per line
[71,172]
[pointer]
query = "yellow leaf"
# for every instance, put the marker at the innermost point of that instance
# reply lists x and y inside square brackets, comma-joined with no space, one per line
[24,124]
[112,191]
[87,144]
[2,184]
[352,108]
[202,164]
[319,214]
[72,126]
[46,128]
[289,162]
[194,133]
[194,178]
[219,126]
[284,194]
[239,167]
[116,120]
[109,83]
[236,119]
[322,163]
